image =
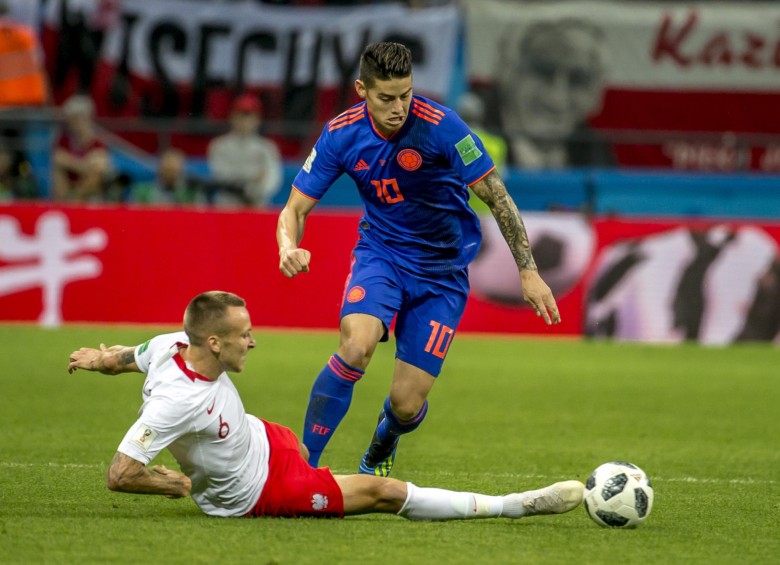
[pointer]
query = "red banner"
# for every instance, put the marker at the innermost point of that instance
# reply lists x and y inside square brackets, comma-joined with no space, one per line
[632,280]
[142,266]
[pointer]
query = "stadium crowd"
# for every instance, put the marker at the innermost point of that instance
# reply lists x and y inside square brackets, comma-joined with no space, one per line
[224,140]
[242,167]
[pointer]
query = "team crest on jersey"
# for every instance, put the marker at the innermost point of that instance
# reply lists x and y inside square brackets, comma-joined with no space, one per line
[310,160]
[409,159]
[319,502]
[143,436]
[356,294]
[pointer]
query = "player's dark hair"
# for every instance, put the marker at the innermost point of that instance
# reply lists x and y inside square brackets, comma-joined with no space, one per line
[205,315]
[384,61]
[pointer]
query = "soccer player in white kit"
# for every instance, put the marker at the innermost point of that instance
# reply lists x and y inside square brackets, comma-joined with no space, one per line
[234,464]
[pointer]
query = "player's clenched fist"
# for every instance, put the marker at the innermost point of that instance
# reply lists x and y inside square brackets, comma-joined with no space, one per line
[294,261]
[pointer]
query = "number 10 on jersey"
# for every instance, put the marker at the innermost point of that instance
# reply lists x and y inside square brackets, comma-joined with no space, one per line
[387,191]
[439,342]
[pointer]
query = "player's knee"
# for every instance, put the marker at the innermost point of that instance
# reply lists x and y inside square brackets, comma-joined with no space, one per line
[304,450]
[407,407]
[390,494]
[356,352]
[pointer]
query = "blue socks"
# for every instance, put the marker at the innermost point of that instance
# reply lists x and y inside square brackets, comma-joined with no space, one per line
[392,426]
[329,401]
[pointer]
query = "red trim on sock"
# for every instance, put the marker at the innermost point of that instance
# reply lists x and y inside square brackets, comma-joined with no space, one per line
[419,416]
[343,370]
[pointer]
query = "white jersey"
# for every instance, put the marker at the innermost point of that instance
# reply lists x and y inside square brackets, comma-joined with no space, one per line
[222,449]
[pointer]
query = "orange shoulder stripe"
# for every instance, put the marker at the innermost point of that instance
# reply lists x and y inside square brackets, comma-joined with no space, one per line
[429,114]
[425,117]
[349,113]
[429,107]
[346,118]
[343,123]
[433,115]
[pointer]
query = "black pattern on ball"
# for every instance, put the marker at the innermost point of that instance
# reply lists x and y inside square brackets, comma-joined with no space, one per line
[613,486]
[612,519]
[641,502]
[625,464]
[591,482]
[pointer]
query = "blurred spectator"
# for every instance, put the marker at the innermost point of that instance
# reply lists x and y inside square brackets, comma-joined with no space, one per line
[550,80]
[247,167]
[16,178]
[171,186]
[22,75]
[82,164]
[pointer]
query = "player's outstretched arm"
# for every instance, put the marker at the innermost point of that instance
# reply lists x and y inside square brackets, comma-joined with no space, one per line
[289,233]
[108,360]
[125,474]
[491,191]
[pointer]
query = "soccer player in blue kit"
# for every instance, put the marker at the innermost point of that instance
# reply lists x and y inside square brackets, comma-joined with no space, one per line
[413,162]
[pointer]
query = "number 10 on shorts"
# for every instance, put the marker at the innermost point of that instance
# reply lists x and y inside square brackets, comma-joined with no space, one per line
[439,342]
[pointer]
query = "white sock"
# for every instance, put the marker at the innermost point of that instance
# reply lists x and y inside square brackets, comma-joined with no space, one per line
[513,506]
[439,504]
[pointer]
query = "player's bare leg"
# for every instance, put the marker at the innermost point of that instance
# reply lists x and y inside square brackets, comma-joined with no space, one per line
[359,335]
[365,493]
[409,389]
[403,412]
[332,390]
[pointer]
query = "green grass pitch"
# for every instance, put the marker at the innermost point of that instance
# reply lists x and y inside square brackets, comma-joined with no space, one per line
[508,414]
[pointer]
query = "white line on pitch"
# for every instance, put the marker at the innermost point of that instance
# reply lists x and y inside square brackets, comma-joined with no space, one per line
[694,480]
[14,464]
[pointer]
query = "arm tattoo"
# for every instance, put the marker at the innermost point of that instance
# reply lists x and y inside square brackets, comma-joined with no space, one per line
[112,470]
[125,474]
[492,191]
[115,469]
[118,359]
[126,356]
[124,471]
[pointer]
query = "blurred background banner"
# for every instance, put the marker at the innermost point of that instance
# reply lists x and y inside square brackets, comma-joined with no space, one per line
[630,73]
[104,264]
[643,280]
[641,141]
[190,58]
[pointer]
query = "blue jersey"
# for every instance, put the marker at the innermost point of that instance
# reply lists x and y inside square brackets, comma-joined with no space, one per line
[414,184]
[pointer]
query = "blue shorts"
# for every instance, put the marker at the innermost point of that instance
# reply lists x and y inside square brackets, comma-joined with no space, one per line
[427,307]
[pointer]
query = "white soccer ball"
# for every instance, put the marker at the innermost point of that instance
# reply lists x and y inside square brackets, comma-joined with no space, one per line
[618,495]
